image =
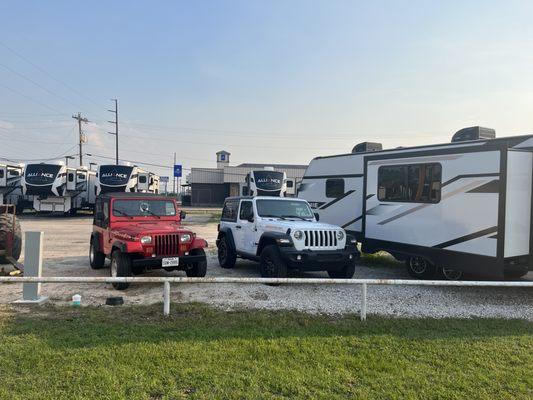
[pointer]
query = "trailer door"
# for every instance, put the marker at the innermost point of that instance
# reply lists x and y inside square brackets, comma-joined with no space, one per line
[518,203]
[71,179]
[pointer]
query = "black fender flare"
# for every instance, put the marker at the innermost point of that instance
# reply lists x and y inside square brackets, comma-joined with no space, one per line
[119,245]
[272,238]
[226,231]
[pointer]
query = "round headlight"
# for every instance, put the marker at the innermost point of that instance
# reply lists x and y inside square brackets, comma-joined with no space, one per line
[340,235]
[146,240]
[298,235]
[185,238]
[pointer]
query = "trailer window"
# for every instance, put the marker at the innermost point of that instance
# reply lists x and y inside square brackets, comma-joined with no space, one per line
[1,173]
[71,177]
[290,184]
[334,188]
[415,183]
[229,212]
[142,178]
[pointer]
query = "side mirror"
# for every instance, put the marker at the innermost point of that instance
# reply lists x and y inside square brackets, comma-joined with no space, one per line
[183,214]
[317,216]
[250,218]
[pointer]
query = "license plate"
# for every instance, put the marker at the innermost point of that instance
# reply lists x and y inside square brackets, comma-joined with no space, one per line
[170,262]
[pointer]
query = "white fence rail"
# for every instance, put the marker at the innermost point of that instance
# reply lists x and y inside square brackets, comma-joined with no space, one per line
[166,281]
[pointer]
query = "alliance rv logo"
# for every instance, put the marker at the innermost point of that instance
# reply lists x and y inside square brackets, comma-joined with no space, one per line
[115,175]
[37,175]
[268,180]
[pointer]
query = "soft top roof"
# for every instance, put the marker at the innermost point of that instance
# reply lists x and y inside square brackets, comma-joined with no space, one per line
[134,195]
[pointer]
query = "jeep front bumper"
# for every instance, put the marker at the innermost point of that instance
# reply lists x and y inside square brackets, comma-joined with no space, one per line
[156,262]
[328,260]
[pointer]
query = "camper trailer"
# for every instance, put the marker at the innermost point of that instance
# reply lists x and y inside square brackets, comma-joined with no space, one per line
[125,178]
[10,182]
[463,206]
[58,188]
[265,182]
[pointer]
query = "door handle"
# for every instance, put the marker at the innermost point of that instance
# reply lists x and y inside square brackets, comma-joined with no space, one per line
[238,227]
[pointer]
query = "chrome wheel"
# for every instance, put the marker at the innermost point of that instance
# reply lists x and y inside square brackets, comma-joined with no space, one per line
[114,268]
[91,253]
[418,265]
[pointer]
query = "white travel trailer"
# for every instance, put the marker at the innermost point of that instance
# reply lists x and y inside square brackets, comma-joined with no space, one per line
[265,182]
[125,178]
[58,188]
[450,208]
[10,183]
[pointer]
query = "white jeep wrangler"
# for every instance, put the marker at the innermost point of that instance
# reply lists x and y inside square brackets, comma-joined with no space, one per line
[283,233]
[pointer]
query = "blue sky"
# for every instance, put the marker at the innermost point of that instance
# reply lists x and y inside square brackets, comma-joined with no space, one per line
[269,81]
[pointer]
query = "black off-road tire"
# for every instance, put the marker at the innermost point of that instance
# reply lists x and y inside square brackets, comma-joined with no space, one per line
[6,227]
[226,256]
[121,265]
[199,269]
[420,267]
[345,273]
[96,258]
[271,263]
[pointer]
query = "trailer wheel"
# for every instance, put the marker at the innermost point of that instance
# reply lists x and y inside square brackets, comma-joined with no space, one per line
[6,227]
[226,256]
[120,266]
[199,269]
[420,267]
[96,258]
[451,274]
[271,264]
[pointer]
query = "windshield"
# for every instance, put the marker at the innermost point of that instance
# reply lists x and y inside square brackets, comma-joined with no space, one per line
[143,208]
[284,209]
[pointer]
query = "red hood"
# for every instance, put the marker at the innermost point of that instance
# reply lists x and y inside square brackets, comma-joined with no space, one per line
[150,228]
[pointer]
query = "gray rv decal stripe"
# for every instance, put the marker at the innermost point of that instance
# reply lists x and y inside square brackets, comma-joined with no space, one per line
[466,238]
[469,176]
[333,176]
[352,221]
[368,196]
[489,187]
[462,189]
[349,192]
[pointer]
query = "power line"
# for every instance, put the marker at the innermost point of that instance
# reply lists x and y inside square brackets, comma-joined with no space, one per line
[32,99]
[39,159]
[38,84]
[49,75]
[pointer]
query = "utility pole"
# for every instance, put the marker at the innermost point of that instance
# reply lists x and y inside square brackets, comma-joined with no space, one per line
[82,138]
[173,177]
[115,111]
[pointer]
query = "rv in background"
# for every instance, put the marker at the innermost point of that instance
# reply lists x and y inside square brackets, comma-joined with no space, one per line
[125,178]
[449,208]
[11,186]
[58,188]
[265,182]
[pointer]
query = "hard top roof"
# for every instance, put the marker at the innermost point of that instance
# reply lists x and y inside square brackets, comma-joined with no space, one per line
[263,198]
[134,195]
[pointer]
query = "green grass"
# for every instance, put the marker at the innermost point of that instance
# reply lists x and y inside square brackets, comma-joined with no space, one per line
[380,259]
[202,353]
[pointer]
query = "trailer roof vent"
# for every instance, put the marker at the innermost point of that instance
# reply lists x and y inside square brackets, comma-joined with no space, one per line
[473,133]
[367,146]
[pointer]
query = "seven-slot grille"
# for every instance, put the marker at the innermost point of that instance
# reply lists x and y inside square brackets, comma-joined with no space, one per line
[167,245]
[320,239]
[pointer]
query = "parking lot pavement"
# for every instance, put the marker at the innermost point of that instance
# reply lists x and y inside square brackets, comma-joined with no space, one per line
[66,254]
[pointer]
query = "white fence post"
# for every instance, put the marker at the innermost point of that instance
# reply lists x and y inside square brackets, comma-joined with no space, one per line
[166,298]
[363,302]
[33,267]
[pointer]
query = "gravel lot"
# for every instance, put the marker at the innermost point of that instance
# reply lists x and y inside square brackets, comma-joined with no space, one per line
[66,247]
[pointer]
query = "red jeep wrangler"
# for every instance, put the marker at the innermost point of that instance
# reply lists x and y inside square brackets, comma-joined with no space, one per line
[139,231]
